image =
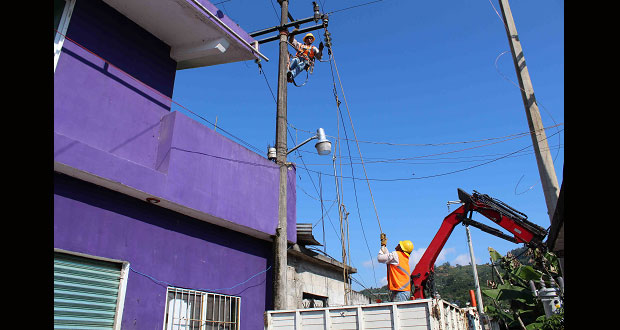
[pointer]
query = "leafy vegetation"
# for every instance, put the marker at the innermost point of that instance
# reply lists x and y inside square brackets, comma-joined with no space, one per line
[512,300]
[506,294]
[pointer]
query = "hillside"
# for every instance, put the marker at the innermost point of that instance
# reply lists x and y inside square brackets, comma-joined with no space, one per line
[454,282]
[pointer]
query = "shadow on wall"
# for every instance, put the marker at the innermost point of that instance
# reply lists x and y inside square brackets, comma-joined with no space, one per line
[106,32]
[115,202]
[131,207]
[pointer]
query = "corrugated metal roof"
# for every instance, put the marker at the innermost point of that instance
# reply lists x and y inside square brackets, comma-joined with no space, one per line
[304,235]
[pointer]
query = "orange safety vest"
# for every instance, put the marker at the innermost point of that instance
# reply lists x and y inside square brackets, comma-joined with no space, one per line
[399,275]
[305,51]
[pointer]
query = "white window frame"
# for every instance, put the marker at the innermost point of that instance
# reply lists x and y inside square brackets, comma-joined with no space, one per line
[63,25]
[203,297]
[122,288]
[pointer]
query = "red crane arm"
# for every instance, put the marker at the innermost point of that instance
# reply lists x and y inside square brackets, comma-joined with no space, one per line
[521,234]
[508,218]
[426,264]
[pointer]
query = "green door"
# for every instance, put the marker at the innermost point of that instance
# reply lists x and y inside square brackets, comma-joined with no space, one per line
[85,292]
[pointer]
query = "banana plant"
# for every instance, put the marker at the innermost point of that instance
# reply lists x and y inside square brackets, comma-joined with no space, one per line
[512,300]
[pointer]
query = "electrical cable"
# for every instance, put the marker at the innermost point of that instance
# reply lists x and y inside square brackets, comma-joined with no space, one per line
[455,151]
[199,289]
[289,132]
[175,102]
[434,161]
[535,101]
[349,151]
[322,218]
[355,136]
[436,144]
[363,4]
[442,174]
[302,160]
[395,160]
[274,10]
[356,199]
[262,71]
[158,92]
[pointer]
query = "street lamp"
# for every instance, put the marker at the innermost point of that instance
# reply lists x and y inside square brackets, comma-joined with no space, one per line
[323,146]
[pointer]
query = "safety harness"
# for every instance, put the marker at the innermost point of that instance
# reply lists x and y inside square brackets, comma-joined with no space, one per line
[307,53]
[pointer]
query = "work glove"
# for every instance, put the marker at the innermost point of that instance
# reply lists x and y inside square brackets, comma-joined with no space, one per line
[383,239]
[291,35]
[384,250]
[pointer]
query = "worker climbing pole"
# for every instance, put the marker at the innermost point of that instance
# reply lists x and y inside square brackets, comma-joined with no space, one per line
[280,237]
[305,53]
[304,58]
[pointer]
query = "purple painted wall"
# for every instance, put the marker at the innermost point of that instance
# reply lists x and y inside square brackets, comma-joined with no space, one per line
[164,245]
[121,129]
[115,127]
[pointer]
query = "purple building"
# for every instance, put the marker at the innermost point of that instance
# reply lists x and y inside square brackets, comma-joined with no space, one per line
[159,221]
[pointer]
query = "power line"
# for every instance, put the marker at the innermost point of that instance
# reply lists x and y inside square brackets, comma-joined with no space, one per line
[363,4]
[441,174]
[158,92]
[355,193]
[455,151]
[349,151]
[435,144]
[439,160]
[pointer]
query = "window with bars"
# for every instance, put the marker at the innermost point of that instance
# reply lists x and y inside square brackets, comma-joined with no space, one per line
[310,300]
[198,310]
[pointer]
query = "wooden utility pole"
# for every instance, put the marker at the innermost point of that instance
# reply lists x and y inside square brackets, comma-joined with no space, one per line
[539,138]
[280,257]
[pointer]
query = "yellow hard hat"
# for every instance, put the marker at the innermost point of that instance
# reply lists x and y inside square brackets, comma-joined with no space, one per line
[309,35]
[406,246]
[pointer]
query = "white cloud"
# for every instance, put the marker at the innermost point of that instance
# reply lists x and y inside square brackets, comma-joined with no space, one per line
[416,255]
[383,281]
[369,263]
[465,260]
[442,255]
[461,259]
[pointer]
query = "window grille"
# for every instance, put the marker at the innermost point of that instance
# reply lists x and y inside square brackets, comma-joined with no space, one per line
[310,300]
[198,310]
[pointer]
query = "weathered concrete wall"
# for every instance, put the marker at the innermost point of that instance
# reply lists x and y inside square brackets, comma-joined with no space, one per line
[326,281]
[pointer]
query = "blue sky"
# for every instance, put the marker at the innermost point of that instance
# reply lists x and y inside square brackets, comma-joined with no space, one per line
[421,80]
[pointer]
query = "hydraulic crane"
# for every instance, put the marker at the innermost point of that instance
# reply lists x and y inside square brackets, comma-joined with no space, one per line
[508,218]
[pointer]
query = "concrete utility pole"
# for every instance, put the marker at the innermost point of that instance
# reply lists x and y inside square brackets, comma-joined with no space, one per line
[539,138]
[279,279]
[280,239]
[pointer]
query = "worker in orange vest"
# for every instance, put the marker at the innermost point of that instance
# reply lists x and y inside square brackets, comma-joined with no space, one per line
[304,58]
[398,271]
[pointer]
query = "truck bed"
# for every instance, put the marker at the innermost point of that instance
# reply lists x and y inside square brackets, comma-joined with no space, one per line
[421,314]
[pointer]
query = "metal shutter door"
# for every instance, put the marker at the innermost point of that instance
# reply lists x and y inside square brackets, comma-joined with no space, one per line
[85,292]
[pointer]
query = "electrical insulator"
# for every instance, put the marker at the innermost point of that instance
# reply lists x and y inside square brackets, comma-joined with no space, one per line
[328,38]
[317,15]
